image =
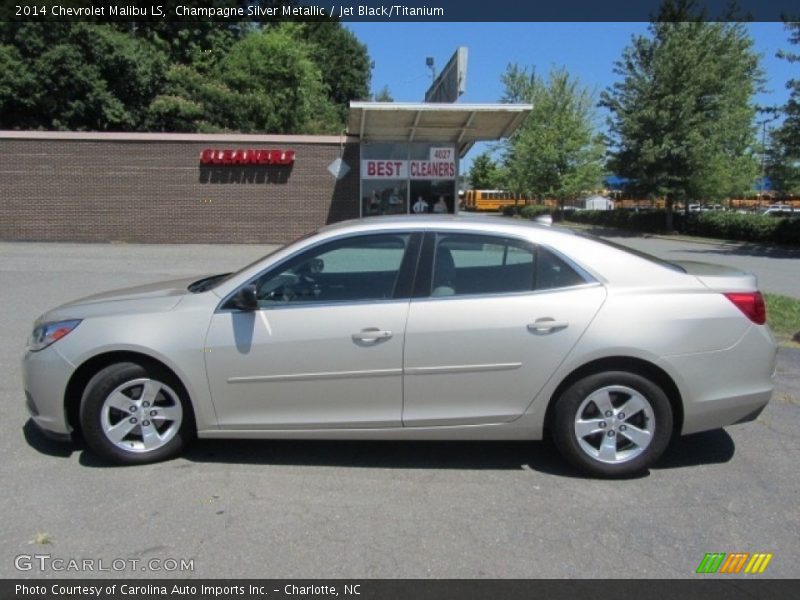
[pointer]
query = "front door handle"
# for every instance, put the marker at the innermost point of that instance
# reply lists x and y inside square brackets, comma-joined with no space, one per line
[546,325]
[371,334]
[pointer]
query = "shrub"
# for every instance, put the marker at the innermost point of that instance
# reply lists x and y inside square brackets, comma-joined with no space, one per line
[724,225]
[650,221]
[532,211]
[748,228]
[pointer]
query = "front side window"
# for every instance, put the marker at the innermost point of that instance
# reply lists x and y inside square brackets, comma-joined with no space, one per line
[351,270]
[467,264]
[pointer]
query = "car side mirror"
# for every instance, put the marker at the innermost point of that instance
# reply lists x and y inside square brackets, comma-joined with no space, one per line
[246,298]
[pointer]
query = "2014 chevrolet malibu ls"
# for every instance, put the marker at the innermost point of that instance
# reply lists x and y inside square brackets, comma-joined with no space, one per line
[413,327]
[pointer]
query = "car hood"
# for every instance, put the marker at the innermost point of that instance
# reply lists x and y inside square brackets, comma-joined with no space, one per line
[153,297]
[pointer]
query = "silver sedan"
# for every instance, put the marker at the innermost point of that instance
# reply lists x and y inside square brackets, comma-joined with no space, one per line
[413,328]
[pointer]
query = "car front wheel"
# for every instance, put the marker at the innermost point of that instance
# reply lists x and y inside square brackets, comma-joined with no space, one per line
[134,415]
[612,424]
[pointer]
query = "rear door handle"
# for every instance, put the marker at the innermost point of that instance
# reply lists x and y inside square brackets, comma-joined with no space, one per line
[371,334]
[546,325]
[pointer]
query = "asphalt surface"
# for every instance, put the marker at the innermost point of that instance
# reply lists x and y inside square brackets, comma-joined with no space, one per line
[368,509]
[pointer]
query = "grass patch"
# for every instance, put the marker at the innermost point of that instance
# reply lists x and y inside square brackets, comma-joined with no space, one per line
[783,318]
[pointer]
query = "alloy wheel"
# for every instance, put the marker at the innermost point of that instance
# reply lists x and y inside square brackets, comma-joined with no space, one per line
[141,415]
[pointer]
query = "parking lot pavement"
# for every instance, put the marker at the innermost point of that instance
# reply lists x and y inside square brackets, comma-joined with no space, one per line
[368,509]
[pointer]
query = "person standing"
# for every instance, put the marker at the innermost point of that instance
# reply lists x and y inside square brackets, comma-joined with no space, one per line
[441,206]
[374,204]
[420,206]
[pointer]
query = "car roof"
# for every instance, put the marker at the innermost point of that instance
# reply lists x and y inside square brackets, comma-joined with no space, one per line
[478,223]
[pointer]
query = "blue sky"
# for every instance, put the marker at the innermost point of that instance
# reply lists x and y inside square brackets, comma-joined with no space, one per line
[587,50]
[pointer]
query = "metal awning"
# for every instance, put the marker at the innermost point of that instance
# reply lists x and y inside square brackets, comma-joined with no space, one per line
[459,124]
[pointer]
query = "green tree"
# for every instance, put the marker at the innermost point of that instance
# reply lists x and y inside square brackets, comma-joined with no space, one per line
[296,77]
[783,153]
[343,61]
[383,95]
[77,76]
[17,89]
[556,152]
[193,102]
[274,69]
[682,117]
[484,173]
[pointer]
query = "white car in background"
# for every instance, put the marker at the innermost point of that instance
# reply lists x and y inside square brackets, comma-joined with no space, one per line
[415,327]
[780,210]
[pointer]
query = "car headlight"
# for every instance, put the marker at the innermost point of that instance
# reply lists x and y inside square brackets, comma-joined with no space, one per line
[45,334]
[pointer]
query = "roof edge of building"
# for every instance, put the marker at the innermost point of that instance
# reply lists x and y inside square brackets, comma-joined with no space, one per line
[238,138]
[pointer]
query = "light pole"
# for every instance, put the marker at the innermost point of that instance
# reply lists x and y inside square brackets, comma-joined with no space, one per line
[432,67]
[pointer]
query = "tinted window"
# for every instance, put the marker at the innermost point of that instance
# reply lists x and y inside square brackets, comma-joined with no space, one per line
[475,264]
[351,270]
[553,272]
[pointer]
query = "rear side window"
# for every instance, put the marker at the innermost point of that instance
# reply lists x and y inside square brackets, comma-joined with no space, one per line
[553,272]
[469,264]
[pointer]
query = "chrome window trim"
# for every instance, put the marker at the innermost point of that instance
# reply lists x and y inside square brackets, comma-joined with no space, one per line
[583,286]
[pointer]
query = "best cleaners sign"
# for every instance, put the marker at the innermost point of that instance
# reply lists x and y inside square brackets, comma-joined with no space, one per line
[440,165]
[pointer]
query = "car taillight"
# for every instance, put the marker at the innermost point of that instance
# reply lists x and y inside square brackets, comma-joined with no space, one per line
[751,304]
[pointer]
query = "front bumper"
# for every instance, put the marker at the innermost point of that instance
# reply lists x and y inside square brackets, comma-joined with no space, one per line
[45,375]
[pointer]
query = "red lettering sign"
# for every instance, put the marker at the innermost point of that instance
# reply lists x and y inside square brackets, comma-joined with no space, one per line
[384,169]
[424,169]
[213,156]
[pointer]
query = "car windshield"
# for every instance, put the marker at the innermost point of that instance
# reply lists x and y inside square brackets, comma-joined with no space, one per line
[638,253]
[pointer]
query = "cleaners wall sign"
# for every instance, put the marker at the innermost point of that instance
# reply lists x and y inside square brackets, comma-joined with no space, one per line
[214,156]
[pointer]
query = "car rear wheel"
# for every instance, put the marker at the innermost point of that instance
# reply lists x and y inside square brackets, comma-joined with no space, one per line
[135,415]
[612,424]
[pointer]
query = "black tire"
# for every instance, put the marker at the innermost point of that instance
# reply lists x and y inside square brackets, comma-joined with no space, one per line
[116,376]
[629,458]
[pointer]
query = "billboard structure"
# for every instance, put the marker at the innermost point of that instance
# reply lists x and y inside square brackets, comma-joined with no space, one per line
[452,81]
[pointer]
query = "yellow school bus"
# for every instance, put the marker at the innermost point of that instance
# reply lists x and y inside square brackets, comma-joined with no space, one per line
[492,200]
[496,200]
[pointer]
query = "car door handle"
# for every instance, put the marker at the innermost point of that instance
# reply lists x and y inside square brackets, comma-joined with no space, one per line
[372,334]
[546,325]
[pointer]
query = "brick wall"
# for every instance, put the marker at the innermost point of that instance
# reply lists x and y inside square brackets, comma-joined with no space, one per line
[152,188]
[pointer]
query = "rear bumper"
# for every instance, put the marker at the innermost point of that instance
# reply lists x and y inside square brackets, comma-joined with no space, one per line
[728,386]
[752,416]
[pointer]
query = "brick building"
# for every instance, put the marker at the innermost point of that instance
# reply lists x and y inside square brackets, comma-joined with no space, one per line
[231,188]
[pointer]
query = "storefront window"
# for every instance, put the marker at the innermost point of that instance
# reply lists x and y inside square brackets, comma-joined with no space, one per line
[384,197]
[407,178]
[436,195]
